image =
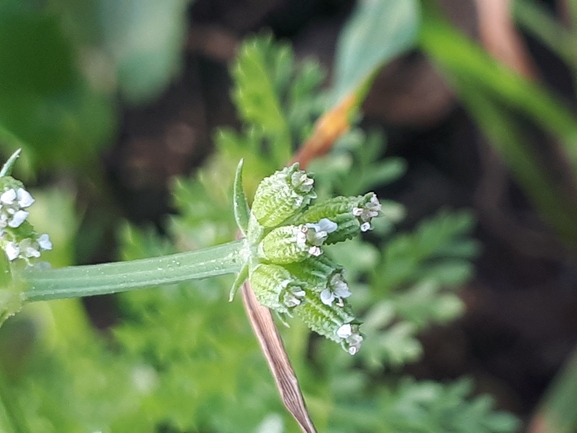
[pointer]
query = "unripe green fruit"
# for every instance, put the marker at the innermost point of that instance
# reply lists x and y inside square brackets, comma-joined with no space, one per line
[282,195]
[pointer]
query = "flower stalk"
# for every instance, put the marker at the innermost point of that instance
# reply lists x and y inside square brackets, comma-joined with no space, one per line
[108,278]
[281,253]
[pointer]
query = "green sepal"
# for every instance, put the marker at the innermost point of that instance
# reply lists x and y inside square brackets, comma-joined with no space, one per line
[240,205]
[241,277]
[282,195]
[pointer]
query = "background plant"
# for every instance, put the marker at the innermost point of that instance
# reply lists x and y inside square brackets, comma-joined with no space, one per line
[166,341]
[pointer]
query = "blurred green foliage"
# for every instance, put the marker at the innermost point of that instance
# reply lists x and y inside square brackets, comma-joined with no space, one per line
[377,32]
[64,64]
[182,359]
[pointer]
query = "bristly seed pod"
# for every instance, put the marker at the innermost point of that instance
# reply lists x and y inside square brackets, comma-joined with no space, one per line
[324,277]
[276,288]
[334,322]
[352,215]
[282,195]
[290,244]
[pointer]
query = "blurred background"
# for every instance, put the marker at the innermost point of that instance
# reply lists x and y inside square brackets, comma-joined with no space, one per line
[122,96]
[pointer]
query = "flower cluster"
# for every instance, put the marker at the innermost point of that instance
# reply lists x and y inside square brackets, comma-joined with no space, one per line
[17,237]
[288,270]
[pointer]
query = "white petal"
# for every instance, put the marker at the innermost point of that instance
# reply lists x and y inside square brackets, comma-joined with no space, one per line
[327,225]
[44,242]
[315,251]
[354,343]
[345,331]
[342,290]
[327,297]
[18,218]
[12,250]
[24,198]
[365,227]
[31,252]
[8,197]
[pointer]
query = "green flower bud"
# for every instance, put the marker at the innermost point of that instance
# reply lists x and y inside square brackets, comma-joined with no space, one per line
[291,244]
[352,215]
[282,195]
[332,321]
[276,288]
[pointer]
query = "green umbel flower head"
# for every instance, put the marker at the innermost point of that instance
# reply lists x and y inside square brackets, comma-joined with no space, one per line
[18,240]
[287,268]
[17,236]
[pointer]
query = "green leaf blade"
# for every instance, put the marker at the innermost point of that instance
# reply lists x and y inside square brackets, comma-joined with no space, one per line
[378,31]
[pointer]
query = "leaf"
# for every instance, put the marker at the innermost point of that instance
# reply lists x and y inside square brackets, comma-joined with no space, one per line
[46,107]
[239,281]
[145,40]
[7,167]
[556,412]
[378,31]
[241,210]
[258,74]
[508,108]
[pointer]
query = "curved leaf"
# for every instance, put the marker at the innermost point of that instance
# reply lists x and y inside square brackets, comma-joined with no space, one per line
[378,31]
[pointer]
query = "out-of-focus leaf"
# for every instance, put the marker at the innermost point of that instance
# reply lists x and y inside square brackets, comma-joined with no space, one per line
[534,17]
[556,413]
[260,74]
[378,31]
[145,39]
[498,99]
[45,106]
[130,46]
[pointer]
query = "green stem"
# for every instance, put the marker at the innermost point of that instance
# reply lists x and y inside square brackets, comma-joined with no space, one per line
[77,281]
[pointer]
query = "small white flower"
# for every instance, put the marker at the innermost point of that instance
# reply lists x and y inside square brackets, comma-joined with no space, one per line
[354,343]
[24,198]
[18,218]
[352,338]
[327,225]
[302,182]
[12,250]
[8,196]
[327,297]
[317,233]
[367,212]
[44,242]
[338,289]
[29,249]
[301,237]
[315,251]
[345,330]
